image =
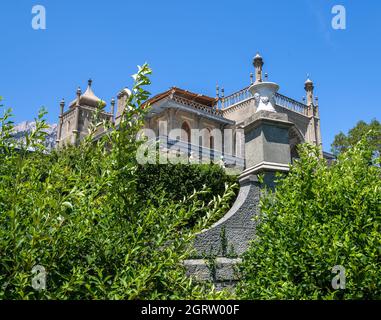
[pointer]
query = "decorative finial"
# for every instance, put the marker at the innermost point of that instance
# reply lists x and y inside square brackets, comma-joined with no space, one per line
[308,81]
[79,91]
[89,82]
[217,91]
[222,92]
[258,64]
[266,76]
[309,88]
[251,78]
[257,56]
[112,109]
[62,105]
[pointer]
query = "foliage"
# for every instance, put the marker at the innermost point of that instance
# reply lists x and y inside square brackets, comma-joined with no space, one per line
[75,211]
[177,181]
[372,130]
[319,216]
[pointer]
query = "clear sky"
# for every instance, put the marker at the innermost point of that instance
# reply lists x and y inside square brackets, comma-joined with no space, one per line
[193,45]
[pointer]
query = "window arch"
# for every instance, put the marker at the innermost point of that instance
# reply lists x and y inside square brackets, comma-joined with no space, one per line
[211,143]
[185,132]
[208,138]
[211,140]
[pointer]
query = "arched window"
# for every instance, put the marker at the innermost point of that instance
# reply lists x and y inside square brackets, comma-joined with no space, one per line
[186,132]
[211,145]
[211,142]
[208,142]
[205,138]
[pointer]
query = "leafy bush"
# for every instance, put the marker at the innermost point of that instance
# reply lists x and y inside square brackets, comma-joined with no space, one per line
[176,181]
[319,217]
[76,213]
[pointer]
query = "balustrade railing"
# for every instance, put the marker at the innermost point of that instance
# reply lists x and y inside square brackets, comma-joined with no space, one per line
[198,106]
[280,100]
[235,97]
[198,152]
[290,104]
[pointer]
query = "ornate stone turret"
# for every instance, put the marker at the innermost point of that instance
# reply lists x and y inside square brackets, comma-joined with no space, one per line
[112,109]
[258,64]
[59,129]
[77,101]
[122,100]
[88,98]
[309,87]
[313,131]
[74,123]
[217,96]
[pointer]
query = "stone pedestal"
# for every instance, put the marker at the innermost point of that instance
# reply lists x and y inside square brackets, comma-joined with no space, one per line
[267,146]
[267,151]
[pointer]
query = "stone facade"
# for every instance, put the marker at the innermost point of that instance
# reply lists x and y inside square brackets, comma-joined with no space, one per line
[187,111]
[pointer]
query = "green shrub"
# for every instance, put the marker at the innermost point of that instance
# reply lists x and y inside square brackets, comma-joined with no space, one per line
[178,181]
[76,212]
[319,216]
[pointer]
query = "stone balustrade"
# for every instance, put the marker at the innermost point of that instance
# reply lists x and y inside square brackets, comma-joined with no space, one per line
[198,106]
[243,95]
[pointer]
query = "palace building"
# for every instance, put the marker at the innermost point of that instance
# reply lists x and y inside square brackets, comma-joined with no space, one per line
[203,127]
[252,131]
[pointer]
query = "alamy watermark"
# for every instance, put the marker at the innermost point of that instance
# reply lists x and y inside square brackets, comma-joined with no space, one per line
[339,20]
[338,281]
[190,146]
[39,280]
[39,17]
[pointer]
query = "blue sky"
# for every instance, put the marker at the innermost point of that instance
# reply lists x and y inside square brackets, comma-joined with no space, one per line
[193,45]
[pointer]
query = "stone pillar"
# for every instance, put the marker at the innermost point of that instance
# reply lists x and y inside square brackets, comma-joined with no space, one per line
[309,87]
[75,138]
[258,64]
[112,111]
[60,123]
[267,147]
[319,141]
[313,133]
[121,104]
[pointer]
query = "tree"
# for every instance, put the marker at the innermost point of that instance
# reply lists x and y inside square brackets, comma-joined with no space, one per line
[319,218]
[75,213]
[342,142]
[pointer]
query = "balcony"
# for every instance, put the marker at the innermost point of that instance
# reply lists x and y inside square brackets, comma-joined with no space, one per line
[199,153]
[244,95]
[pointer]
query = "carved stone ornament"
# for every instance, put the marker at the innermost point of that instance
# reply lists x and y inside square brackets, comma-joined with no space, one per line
[263,93]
